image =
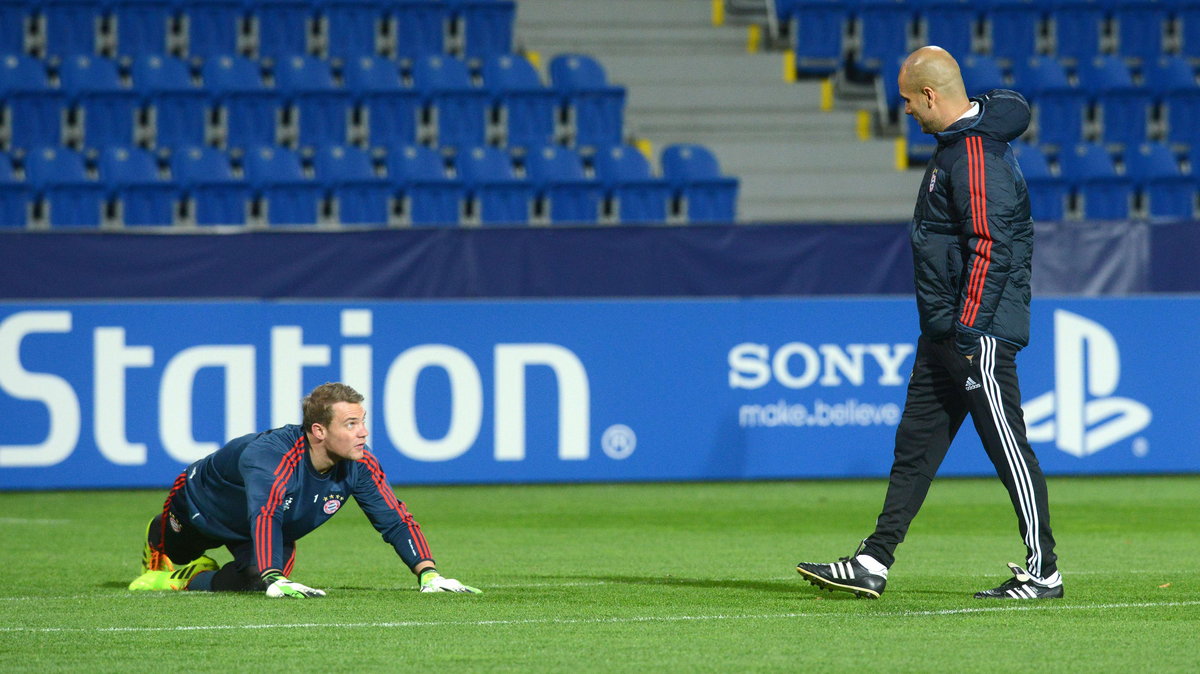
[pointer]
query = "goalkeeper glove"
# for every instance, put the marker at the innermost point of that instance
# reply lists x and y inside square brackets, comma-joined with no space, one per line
[432,581]
[279,586]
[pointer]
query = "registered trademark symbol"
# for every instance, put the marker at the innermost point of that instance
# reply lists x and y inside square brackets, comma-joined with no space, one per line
[1141,447]
[618,441]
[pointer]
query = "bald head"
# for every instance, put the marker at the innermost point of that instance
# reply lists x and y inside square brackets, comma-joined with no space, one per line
[932,88]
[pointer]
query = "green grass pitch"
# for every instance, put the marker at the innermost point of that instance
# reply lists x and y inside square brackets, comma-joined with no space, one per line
[641,577]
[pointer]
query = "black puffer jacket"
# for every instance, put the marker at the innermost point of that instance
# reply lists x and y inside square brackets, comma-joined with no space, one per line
[972,235]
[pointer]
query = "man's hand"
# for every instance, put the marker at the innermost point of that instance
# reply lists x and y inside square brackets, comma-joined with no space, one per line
[279,586]
[432,581]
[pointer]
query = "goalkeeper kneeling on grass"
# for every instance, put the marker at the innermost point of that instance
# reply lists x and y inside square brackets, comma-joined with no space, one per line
[260,493]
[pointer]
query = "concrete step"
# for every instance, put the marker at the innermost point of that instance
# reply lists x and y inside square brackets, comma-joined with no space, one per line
[774,134]
[699,67]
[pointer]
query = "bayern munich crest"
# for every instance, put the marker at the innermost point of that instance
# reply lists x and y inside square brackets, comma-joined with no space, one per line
[332,505]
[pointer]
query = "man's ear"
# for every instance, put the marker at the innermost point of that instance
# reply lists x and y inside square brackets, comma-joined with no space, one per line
[928,94]
[318,431]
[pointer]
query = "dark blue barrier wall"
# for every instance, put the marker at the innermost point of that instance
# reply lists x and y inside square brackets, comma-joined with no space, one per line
[715,261]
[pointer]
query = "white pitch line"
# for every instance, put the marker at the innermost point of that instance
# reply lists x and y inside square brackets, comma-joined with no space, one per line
[597,621]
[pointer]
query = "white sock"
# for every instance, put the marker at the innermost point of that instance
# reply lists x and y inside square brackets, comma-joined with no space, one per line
[872,565]
[1053,580]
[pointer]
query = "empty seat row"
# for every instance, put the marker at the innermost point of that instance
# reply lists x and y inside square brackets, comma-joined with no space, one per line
[412,185]
[1101,99]
[1088,182]
[825,34]
[238,102]
[337,28]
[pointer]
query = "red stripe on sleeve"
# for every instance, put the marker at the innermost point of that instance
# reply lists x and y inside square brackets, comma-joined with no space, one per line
[263,545]
[977,183]
[389,497]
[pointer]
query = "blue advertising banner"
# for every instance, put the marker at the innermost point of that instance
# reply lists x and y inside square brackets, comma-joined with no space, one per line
[127,394]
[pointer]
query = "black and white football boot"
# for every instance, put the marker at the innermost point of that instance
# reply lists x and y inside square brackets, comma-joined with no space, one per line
[848,574]
[1024,586]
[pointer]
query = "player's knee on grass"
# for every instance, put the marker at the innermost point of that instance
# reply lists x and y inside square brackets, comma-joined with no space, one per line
[234,577]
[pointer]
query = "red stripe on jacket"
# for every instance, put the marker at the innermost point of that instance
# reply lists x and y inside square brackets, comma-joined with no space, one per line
[389,497]
[262,523]
[977,183]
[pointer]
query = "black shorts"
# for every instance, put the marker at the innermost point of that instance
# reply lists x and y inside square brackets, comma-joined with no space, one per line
[183,543]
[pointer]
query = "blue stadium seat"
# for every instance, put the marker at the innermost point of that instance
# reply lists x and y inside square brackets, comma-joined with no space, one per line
[695,175]
[1058,107]
[981,74]
[142,26]
[527,107]
[281,26]
[429,195]
[1168,73]
[950,24]
[486,26]
[1173,80]
[1076,29]
[109,108]
[499,196]
[217,196]
[460,109]
[277,177]
[389,107]
[178,107]
[352,27]
[13,16]
[596,108]
[884,27]
[34,108]
[132,178]
[60,179]
[250,108]
[213,27]
[420,27]
[1124,108]
[891,87]
[818,28]
[1012,28]
[1187,14]
[1105,194]
[1155,171]
[560,181]
[629,182]
[1140,27]
[71,26]
[14,195]
[1048,193]
[360,196]
[323,108]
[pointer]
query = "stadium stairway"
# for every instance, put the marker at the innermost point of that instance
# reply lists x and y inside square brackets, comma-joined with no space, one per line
[692,82]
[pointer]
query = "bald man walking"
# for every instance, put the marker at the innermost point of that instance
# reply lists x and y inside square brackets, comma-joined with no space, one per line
[972,240]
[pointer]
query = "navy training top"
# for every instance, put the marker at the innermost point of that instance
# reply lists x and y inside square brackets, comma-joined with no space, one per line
[263,487]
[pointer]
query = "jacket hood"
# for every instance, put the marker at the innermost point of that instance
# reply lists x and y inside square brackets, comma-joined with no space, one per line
[1003,115]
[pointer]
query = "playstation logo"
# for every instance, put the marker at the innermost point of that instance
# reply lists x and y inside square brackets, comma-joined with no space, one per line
[1081,416]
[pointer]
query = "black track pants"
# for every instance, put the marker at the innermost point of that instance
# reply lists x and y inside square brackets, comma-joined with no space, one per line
[945,386]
